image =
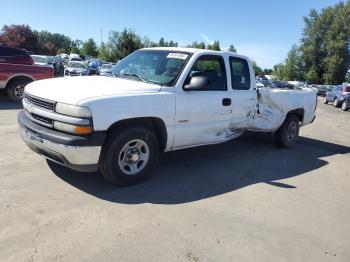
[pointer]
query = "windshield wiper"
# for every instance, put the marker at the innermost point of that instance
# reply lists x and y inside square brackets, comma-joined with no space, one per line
[143,79]
[137,76]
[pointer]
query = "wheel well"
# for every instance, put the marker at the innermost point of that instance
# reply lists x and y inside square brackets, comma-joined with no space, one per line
[299,113]
[15,78]
[153,123]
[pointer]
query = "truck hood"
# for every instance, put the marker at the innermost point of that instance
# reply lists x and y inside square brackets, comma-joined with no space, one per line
[71,90]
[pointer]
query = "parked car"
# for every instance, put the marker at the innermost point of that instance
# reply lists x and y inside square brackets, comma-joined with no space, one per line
[183,98]
[17,69]
[282,84]
[43,60]
[337,95]
[76,68]
[106,70]
[94,66]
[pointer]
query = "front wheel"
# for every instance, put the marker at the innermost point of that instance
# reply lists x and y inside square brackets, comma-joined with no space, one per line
[287,134]
[345,105]
[336,102]
[129,155]
[16,89]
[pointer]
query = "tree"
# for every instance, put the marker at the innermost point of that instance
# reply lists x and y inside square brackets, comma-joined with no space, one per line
[20,36]
[76,47]
[325,44]
[90,48]
[60,41]
[257,69]
[293,68]
[232,49]
[215,46]
[278,71]
[48,49]
[119,45]
[195,44]
[267,71]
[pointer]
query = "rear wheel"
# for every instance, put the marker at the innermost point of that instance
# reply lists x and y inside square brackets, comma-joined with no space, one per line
[129,156]
[325,101]
[345,105]
[336,102]
[287,134]
[16,89]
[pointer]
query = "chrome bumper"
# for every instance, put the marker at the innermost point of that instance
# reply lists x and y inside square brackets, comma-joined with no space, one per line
[83,157]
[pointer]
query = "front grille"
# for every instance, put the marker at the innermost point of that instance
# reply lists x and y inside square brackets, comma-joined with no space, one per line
[40,102]
[42,119]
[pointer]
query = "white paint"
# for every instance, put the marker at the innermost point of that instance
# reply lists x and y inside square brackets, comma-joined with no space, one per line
[191,118]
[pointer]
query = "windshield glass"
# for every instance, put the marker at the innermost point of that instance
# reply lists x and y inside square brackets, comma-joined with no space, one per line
[40,59]
[77,65]
[160,67]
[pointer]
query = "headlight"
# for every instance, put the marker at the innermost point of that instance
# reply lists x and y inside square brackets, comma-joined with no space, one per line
[72,110]
[80,130]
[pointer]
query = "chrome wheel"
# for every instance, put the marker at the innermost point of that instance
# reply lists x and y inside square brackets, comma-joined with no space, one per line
[133,157]
[18,91]
[291,131]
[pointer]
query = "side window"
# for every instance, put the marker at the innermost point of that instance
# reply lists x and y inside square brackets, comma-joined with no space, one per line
[212,67]
[240,76]
[5,51]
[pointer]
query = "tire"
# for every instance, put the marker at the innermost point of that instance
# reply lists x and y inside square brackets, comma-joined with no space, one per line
[325,101]
[344,105]
[336,102]
[129,155]
[16,88]
[287,134]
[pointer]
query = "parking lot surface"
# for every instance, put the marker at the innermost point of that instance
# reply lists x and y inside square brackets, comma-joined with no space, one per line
[245,200]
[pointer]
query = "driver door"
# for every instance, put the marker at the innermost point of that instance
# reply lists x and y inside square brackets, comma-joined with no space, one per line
[202,116]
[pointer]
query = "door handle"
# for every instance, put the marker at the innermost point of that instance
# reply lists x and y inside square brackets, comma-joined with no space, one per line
[226,101]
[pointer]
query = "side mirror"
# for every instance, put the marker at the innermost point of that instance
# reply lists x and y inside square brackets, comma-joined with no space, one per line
[197,83]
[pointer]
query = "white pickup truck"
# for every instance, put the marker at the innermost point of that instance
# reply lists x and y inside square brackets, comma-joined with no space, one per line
[158,99]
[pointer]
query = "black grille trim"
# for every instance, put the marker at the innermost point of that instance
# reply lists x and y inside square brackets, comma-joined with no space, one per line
[39,102]
[42,119]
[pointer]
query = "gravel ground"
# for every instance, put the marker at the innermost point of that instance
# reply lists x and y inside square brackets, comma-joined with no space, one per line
[245,200]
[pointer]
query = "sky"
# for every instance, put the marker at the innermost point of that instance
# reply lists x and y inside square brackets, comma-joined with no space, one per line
[262,30]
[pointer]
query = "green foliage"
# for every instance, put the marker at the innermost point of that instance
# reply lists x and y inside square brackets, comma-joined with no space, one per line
[267,71]
[163,43]
[257,69]
[293,68]
[323,55]
[195,44]
[59,41]
[232,49]
[311,75]
[119,45]
[278,71]
[215,46]
[90,48]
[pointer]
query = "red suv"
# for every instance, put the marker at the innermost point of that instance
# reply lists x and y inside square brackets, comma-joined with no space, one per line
[17,69]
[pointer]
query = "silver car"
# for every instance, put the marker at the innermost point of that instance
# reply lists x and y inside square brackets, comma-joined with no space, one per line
[337,95]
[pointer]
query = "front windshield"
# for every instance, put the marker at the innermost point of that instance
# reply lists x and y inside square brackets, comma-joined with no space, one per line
[77,65]
[160,67]
[40,59]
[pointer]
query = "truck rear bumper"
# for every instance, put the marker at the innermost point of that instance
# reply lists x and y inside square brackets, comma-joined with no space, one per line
[75,152]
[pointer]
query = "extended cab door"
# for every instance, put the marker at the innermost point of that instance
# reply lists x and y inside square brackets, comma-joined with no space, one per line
[243,92]
[202,116]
